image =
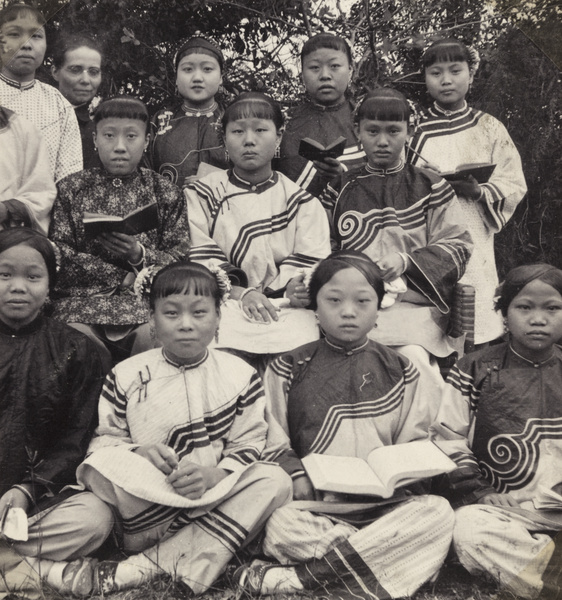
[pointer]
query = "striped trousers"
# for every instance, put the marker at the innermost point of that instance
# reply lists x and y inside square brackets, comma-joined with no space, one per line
[389,558]
[191,545]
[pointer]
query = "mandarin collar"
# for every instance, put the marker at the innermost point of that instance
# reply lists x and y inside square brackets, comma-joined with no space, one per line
[384,172]
[451,113]
[118,180]
[330,108]
[253,187]
[28,329]
[534,363]
[16,84]
[182,367]
[346,351]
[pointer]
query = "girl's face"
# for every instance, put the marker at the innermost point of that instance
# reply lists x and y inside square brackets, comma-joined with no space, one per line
[534,319]
[448,83]
[383,141]
[198,79]
[251,144]
[347,308]
[120,144]
[24,285]
[185,324]
[80,76]
[326,74]
[23,47]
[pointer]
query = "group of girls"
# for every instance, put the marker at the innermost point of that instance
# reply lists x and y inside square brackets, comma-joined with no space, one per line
[192,452]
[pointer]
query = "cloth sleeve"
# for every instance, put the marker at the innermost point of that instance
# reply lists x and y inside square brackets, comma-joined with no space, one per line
[69,155]
[112,429]
[312,240]
[247,435]
[435,268]
[75,263]
[278,448]
[451,431]
[83,371]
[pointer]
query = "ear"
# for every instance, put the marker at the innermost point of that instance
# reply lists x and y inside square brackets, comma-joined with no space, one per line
[410,131]
[356,129]
[146,141]
[94,135]
[55,73]
[471,73]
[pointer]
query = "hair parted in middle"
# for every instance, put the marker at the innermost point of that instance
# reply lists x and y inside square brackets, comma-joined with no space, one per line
[344,259]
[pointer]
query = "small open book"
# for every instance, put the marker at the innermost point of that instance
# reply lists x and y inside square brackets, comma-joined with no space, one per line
[480,171]
[385,469]
[313,150]
[141,219]
[548,499]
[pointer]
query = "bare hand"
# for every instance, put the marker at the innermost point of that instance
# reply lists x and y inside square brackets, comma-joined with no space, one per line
[14,498]
[297,292]
[122,245]
[329,167]
[467,188]
[303,489]
[191,480]
[391,266]
[258,308]
[495,499]
[429,165]
[160,455]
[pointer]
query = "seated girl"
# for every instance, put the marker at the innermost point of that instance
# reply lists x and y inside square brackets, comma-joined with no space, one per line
[263,228]
[346,395]
[94,289]
[188,135]
[50,379]
[408,221]
[501,422]
[181,429]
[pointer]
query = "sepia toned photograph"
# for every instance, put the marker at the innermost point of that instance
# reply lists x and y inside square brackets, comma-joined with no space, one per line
[280,299]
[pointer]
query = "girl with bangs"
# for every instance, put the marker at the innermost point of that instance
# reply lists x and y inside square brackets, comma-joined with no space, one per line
[407,220]
[263,229]
[450,134]
[327,67]
[181,429]
[95,289]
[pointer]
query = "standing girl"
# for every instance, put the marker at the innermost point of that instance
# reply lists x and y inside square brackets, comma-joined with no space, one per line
[77,67]
[451,134]
[501,421]
[23,49]
[263,228]
[326,71]
[346,395]
[187,136]
[181,429]
[409,222]
[94,290]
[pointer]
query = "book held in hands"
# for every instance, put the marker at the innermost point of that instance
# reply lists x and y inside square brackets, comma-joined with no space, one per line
[385,469]
[480,171]
[139,220]
[313,150]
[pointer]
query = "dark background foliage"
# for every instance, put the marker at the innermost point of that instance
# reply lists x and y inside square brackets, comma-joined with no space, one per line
[518,81]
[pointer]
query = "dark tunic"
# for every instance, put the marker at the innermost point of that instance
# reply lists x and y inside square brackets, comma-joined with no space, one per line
[182,141]
[325,125]
[50,381]
[87,128]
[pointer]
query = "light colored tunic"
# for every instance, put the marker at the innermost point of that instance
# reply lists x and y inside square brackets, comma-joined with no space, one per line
[472,136]
[53,115]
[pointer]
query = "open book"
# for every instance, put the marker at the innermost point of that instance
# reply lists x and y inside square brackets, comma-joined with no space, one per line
[480,171]
[548,499]
[313,150]
[139,220]
[385,469]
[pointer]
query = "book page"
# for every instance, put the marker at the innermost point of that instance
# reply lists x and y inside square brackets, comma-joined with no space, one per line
[403,463]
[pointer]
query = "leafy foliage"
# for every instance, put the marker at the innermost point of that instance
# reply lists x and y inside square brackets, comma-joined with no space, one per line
[261,39]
